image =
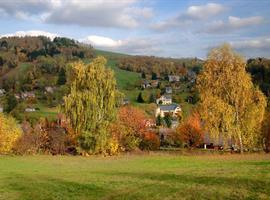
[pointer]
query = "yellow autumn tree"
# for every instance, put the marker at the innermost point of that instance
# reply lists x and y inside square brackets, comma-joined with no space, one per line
[91,104]
[230,105]
[9,133]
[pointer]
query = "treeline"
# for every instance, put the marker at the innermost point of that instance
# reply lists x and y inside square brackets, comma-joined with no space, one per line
[159,66]
[259,68]
[40,51]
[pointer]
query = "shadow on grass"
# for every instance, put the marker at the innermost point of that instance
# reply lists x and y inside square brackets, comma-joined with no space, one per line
[237,187]
[39,188]
[139,185]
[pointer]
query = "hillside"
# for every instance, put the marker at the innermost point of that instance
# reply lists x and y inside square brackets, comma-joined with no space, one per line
[34,75]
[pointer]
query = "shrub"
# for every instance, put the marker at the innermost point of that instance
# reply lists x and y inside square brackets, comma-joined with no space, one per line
[9,133]
[150,141]
[44,137]
[191,131]
[129,128]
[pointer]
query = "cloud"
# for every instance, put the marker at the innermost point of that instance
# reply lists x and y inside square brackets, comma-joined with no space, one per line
[31,33]
[100,41]
[253,47]
[192,14]
[257,43]
[97,13]
[141,46]
[233,23]
[204,11]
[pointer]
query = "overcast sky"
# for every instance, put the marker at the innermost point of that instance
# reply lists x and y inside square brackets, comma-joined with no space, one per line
[171,28]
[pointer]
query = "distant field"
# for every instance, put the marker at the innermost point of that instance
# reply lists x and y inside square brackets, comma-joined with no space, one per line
[123,77]
[149,177]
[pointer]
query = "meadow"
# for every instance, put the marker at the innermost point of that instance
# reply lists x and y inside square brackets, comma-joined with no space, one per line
[150,176]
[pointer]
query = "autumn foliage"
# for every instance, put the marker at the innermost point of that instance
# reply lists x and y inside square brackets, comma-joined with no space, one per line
[44,137]
[191,131]
[130,130]
[9,133]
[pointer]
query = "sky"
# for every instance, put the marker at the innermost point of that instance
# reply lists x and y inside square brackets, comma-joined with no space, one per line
[168,28]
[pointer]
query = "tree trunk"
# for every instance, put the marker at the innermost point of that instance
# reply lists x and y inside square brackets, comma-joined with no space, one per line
[241,143]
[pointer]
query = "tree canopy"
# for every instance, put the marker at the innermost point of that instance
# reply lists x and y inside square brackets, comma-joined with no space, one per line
[230,105]
[91,104]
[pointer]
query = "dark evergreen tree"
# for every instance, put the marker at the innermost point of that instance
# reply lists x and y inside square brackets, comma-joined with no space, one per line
[61,77]
[168,120]
[140,98]
[143,75]
[159,120]
[11,103]
[152,98]
[154,76]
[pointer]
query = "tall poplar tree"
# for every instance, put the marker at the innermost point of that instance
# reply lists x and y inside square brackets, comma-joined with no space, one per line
[91,104]
[230,106]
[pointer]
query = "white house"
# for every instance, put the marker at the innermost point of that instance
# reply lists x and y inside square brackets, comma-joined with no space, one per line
[145,84]
[173,78]
[49,89]
[164,99]
[26,95]
[173,109]
[30,109]
[2,92]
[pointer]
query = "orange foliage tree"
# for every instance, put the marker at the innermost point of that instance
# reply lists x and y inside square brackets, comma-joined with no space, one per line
[191,131]
[130,129]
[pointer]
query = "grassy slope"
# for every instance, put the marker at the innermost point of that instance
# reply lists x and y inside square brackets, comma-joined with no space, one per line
[135,177]
[123,77]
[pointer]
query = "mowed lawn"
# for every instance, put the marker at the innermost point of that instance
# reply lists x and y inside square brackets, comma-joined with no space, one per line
[155,176]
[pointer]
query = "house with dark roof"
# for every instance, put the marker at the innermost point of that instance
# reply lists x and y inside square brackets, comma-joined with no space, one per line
[173,109]
[145,84]
[168,90]
[164,99]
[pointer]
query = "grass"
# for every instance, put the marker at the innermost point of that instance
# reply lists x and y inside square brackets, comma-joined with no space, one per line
[151,177]
[124,78]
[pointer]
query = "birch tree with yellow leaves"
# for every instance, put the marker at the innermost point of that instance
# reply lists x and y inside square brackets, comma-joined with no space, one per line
[91,104]
[9,133]
[230,105]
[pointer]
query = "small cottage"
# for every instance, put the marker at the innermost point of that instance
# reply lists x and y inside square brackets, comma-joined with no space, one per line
[30,110]
[2,92]
[145,84]
[172,109]
[164,99]
[168,90]
[26,95]
[174,78]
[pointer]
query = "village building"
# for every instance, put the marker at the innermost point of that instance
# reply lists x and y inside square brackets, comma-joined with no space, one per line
[145,84]
[17,96]
[26,95]
[2,92]
[172,109]
[191,75]
[168,90]
[49,89]
[174,78]
[30,110]
[164,99]
[125,101]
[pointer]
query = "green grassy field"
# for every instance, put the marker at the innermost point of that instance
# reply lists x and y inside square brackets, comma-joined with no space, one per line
[151,177]
[124,78]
